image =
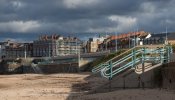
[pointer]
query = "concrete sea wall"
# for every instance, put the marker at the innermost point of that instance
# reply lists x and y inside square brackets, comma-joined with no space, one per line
[25,66]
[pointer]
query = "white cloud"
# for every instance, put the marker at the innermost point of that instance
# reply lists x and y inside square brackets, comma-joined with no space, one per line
[124,23]
[118,24]
[123,19]
[79,3]
[19,26]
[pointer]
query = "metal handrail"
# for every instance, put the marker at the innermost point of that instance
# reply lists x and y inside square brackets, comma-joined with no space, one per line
[107,75]
[101,64]
[98,68]
[162,54]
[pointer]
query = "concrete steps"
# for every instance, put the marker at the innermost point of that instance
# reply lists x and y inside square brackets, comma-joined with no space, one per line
[131,78]
[147,67]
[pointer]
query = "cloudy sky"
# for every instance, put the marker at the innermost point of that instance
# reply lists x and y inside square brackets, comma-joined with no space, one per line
[25,20]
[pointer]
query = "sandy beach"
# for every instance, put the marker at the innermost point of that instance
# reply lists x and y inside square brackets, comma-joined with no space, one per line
[69,87]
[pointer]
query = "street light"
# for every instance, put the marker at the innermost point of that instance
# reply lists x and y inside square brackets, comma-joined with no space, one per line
[166,41]
[129,40]
[25,53]
[78,52]
[79,58]
[116,48]
[106,42]
[76,47]
[134,39]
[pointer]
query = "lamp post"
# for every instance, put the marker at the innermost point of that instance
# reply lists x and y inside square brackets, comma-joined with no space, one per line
[79,57]
[166,40]
[76,47]
[129,40]
[116,48]
[106,42]
[49,49]
[25,53]
[134,39]
[78,52]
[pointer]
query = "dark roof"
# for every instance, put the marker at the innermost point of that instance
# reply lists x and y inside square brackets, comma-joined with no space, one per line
[170,36]
[158,35]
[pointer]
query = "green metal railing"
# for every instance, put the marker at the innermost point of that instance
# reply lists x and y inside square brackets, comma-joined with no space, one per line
[133,57]
[100,66]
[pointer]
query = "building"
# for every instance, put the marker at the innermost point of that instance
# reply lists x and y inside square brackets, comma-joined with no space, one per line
[123,41]
[132,39]
[155,39]
[56,45]
[171,38]
[93,44]
[11,49]
[2,47]
[160,38]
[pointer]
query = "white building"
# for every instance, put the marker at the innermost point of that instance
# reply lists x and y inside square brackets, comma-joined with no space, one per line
[93,43]
[56,45]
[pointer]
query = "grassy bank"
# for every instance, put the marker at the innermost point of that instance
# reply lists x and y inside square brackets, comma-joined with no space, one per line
[106,58]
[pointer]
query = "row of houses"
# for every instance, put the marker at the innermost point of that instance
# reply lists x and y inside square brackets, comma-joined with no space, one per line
[45,46]
[57,45]
[128,40]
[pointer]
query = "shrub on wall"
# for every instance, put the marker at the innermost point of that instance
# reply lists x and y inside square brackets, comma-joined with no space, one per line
[173,46]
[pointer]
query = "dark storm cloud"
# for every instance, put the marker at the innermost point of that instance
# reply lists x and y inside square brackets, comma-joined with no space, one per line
[55,10]
[27,17]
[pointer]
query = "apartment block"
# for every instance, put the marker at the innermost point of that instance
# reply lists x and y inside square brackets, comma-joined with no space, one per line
[11,49]
[56,45]
[94,43]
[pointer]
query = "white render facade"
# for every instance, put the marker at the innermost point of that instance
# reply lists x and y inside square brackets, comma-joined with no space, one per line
[55,45]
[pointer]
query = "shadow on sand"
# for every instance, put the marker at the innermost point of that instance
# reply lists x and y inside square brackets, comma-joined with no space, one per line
[159,78]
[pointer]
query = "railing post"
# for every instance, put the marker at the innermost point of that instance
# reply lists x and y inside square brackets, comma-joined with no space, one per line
[163,55]
[133,57]
[143,59]
[161,52]
[171,49]
[110,78]
[110,69]
[168,54]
